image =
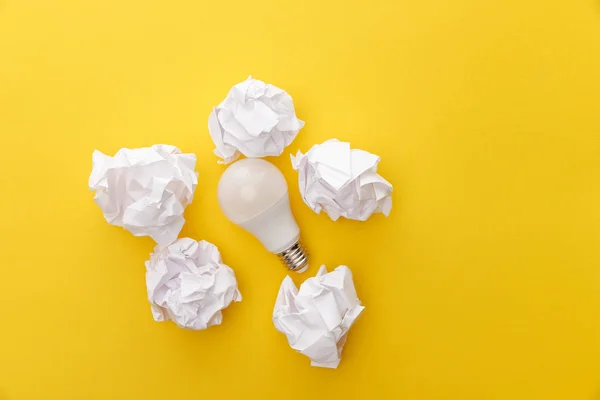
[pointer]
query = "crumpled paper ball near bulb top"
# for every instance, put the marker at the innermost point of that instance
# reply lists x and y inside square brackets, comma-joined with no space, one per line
[145,190]
[255,119]
[342,181]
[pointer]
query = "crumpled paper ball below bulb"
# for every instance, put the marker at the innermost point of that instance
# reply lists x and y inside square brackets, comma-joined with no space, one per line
[316,319]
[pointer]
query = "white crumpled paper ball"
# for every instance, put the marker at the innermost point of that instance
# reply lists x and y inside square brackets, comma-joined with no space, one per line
[342,181]
[188,283]
[256,120]
[316,318]
[145,190]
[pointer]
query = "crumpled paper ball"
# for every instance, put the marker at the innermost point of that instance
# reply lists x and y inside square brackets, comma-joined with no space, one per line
[342,181]
[256,120]
[188,283]
[145,190]
[316,318]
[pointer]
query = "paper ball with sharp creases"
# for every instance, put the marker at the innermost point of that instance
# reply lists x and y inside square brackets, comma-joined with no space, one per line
[188,283]
[316,319]
[145,190]
[342,181]
[255,119]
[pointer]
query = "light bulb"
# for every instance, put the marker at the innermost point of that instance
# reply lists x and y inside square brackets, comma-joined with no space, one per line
[254,195]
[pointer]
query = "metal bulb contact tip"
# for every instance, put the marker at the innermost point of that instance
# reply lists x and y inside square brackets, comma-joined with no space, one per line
[295,258]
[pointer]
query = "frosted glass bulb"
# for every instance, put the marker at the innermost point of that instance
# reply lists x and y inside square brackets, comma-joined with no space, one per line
[254,195]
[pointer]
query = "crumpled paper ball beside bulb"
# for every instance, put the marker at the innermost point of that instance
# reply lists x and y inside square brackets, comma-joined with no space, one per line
[188,283]
[146,191]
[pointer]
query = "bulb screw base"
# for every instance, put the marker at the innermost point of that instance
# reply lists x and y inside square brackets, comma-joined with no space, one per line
[295,258]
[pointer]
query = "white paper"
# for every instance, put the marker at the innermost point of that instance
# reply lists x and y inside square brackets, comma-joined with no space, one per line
[316,319]
[256,120]
[188,283]
[145,190]
[342,182]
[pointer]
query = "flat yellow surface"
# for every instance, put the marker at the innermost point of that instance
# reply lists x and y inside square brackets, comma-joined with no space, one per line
[484,282]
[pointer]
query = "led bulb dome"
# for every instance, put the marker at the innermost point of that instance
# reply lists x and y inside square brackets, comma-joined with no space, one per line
[254,195]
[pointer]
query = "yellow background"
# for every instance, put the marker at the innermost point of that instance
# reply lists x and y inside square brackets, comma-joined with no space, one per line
[484,283]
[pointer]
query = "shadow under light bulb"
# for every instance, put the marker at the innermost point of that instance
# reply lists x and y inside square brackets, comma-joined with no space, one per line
[254,195]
